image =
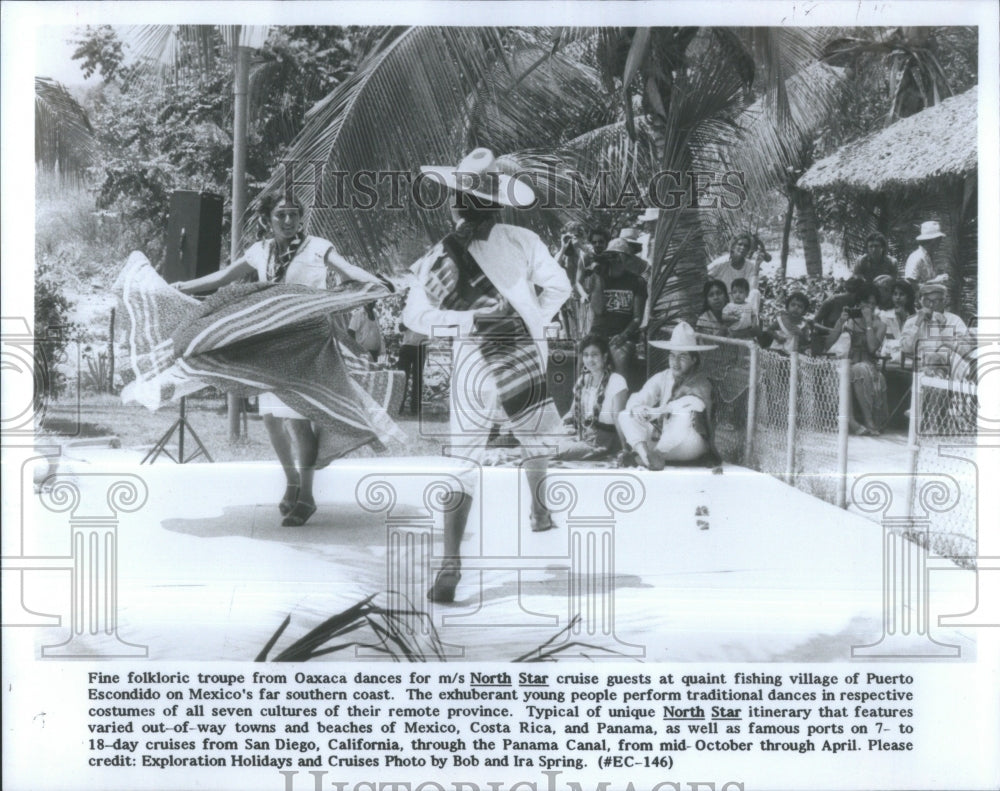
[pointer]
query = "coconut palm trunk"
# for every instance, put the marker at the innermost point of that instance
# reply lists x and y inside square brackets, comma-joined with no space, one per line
[807,228]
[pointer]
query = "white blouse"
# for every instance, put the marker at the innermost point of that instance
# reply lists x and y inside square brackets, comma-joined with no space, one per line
[308,267]
[588,397]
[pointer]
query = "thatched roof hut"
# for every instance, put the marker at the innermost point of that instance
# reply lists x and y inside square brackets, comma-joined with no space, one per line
[923,167]
[938,142]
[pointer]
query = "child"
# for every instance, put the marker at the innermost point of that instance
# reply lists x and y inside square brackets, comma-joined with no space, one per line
[790,329]
[739,316]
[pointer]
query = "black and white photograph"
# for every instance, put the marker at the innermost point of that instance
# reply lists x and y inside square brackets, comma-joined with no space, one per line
[643,346]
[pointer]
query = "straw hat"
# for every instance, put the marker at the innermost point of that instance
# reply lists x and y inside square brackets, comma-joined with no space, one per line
[930,230]
[634,238]
[651,214]
[622,247]
[477,174]
[683,339]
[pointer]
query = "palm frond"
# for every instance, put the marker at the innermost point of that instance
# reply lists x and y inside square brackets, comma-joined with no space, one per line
[608,155]
[64,138]
[698,119]
[771,156]
[389,631]
[425,96]
[551,649]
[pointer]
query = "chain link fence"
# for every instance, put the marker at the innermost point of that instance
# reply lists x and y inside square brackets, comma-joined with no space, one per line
[943,428]
[787,416]
[789,425]
[818,447]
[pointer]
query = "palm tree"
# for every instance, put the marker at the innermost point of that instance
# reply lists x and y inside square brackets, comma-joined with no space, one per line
[425,95]
[774,156]
[906,54]
[691,84]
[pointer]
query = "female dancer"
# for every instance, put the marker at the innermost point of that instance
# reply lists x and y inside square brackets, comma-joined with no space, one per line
[290,257]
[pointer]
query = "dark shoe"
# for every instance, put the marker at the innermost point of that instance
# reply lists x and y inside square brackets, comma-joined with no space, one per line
[299,515]
[288,501]
[443,589]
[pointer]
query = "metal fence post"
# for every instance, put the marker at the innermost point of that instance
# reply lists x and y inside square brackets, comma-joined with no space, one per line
[751,408]
[843,426]
[912,446]
[793,397]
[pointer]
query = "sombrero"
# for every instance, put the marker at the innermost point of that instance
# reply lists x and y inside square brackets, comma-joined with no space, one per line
[683,339]
[477,174]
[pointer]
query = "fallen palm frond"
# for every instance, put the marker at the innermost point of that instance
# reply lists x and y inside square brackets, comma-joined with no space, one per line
[550,650]
[371,627]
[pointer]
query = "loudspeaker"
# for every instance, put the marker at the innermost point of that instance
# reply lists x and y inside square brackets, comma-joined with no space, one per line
[561,373]
[194,235]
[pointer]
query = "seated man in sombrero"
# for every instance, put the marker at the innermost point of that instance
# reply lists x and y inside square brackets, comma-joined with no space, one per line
[670,421]
[498,286]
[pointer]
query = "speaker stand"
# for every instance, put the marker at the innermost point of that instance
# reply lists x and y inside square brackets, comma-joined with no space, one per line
[179,426]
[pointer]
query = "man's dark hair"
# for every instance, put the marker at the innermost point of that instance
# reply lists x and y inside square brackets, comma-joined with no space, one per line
[875,236]
[854,285]
[477,213]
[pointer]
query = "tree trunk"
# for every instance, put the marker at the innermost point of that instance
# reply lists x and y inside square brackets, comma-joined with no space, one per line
[807,229]
[785,234]
[234,404]
[111,353]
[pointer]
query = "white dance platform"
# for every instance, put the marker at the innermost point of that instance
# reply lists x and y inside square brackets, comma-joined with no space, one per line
[682,565]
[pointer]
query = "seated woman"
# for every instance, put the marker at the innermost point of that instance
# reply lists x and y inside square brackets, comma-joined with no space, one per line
[791,330]
[598,398]
[715,297]
[903,305]
[867,332]
[671,420]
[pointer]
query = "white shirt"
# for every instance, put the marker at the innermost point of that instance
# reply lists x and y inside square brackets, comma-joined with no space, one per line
[316,264]
[308,268]
[919,266]
[515,260]
[367,332]
[588,395]
[917,328]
